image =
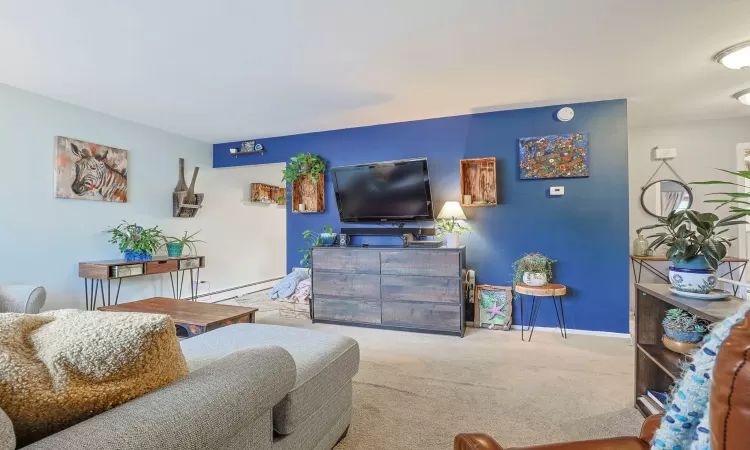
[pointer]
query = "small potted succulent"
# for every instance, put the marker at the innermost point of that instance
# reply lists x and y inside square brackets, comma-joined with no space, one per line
[315,239]
[135,242]
[533,269]
[682,331]
[176,245]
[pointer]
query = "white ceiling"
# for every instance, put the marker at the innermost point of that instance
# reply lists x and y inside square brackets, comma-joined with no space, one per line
[224,70]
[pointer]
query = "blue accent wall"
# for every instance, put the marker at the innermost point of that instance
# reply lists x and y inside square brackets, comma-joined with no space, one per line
[586,230]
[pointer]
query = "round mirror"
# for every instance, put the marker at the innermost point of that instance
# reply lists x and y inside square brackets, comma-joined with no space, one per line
[664,196]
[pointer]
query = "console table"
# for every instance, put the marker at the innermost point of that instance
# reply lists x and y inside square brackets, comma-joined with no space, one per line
[96,272]
[403,288]
[645,261]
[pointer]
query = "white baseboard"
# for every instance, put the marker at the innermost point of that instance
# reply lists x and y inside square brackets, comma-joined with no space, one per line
[209,297]
[574,331]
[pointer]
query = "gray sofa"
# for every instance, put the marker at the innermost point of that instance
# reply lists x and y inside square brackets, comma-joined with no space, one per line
[251,386]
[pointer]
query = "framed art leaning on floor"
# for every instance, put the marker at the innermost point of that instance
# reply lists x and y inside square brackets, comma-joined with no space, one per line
[493,307]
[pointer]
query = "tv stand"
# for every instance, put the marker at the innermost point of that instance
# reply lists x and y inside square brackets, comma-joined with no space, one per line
[401,288]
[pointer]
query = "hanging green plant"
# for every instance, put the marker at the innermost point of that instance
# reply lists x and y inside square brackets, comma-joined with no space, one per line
[303,165]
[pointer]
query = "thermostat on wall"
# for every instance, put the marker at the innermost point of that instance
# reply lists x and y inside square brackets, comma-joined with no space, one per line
[557,190]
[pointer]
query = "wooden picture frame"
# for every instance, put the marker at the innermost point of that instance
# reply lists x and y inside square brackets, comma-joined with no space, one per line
[501,321]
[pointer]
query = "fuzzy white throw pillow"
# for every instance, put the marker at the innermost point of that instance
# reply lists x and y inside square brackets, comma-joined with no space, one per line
[61,367]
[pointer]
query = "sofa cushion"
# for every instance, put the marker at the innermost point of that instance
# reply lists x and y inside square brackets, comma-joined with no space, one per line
[7,436]
[61,367]
[325,362]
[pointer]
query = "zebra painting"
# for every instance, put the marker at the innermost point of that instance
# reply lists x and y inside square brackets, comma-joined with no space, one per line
[88,171]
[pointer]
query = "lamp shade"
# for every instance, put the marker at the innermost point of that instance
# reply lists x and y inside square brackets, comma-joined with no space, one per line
[452,210]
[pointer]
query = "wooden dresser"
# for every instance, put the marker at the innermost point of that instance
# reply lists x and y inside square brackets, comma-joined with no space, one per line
[404,288]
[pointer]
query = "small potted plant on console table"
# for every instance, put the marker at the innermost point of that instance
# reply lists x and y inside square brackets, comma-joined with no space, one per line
[135,242]
[176,245]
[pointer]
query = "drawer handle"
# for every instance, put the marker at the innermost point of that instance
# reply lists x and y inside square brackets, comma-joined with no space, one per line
[161,262]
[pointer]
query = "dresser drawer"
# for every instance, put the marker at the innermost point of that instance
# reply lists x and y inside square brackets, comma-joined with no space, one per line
[346,260]
[363,311]
[420,289]
[432,263]
[427,316]
[346,285]
[161,266]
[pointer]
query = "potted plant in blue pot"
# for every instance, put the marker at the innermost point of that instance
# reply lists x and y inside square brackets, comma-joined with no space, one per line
[683,331]
[695,246]
[136,242]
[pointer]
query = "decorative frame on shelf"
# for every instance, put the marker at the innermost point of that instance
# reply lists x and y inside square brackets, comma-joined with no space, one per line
[266,193]
[479,180]
[493,307]
[310,194]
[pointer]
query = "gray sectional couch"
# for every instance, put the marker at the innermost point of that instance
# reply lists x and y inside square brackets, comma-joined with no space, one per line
[251,386]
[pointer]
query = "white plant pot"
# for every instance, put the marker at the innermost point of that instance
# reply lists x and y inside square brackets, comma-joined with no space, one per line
[699,281]
[451,240]
[534,278]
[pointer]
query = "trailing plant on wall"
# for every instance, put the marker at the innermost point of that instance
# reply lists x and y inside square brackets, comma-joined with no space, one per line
[312,239]
[304,164]
[689,234]
[532,263]
[134,237]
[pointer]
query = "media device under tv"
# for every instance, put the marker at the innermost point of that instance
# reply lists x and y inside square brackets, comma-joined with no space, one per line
[389,191]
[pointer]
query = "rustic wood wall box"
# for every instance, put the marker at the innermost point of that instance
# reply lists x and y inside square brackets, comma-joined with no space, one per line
[479,180]
[306,191]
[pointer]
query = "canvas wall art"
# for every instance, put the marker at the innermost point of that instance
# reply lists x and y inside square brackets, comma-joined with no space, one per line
[557,156]
[493,307]
[88,171]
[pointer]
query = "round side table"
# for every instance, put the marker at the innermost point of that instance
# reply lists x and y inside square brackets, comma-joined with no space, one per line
[556,291]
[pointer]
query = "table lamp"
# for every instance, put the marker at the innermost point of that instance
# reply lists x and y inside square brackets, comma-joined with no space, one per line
[451,211]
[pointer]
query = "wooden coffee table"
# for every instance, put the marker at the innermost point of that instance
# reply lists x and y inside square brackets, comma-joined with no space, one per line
[190,318]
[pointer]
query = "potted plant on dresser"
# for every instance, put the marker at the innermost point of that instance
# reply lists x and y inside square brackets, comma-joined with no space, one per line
[533,269]
[695,246]
[136,242]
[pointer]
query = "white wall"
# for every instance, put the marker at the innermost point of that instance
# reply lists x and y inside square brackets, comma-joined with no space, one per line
[42,239]
[702,147]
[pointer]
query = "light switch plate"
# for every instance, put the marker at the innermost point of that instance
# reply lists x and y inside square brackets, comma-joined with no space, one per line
[557,190]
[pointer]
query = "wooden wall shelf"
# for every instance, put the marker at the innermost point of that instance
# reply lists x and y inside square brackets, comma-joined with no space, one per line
[267,193]
[479,179]
[309,193]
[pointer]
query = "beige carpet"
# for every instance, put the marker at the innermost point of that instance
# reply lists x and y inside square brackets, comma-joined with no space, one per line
[417,391]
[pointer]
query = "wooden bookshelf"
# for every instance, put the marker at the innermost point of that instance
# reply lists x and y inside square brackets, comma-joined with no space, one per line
[310,193]
[657,367]
[479,179]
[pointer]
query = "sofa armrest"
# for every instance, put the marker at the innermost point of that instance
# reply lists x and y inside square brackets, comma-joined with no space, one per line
[478,441]
[649,427]
[22,298]
[475,441]
[196,412]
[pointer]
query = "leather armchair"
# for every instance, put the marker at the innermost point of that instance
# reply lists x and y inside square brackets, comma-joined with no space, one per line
[729,407]
[20,298]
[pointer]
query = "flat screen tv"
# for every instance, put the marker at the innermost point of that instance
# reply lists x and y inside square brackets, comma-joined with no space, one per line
[390,191]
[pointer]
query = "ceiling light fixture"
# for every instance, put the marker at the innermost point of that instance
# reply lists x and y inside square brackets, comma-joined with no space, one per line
[735,57]
[743,97]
